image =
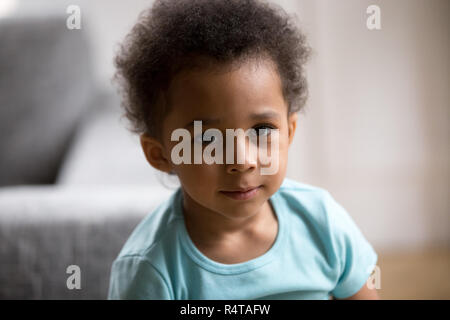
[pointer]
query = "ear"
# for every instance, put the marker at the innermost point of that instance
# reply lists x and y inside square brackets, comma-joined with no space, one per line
[155,153]
[292,124]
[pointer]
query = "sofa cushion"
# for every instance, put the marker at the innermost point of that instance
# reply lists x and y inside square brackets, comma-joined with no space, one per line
[45,85]
[45,229]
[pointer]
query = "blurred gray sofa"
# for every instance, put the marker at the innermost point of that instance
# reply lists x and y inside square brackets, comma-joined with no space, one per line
[73,181]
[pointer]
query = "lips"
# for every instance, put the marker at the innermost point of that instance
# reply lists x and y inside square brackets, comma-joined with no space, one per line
[241,189]
[241,193]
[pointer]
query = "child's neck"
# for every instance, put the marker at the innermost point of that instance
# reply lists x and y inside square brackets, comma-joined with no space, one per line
[230,240]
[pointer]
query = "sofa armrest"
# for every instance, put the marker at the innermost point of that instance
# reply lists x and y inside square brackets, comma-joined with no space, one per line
[45,229]
[46,84]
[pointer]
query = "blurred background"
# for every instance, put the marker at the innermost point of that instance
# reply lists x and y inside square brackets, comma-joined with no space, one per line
[375,133]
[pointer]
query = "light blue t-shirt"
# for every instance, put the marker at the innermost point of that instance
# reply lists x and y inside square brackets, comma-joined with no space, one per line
[319,251]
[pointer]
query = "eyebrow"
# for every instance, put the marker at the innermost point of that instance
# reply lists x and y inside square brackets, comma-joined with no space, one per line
[265,115]
[254,116]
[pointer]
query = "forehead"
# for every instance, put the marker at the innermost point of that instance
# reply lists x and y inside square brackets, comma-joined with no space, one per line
[230,94]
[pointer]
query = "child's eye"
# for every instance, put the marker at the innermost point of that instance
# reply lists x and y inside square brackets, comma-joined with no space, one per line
[264,130]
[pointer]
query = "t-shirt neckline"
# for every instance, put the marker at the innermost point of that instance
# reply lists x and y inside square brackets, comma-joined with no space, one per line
[206,263]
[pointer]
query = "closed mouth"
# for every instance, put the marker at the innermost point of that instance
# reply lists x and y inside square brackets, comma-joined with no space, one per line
[241,189]
[242,193]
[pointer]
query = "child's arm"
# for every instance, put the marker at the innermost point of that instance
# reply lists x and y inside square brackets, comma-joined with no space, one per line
[135,278]
[365,293]
[356,257]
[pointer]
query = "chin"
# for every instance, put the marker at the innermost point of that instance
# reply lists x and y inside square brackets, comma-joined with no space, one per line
[234,209]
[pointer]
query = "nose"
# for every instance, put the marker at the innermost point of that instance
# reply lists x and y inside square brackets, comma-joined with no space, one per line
[244,155]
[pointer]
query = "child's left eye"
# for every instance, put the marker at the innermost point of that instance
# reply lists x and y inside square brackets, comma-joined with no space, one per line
[263,130]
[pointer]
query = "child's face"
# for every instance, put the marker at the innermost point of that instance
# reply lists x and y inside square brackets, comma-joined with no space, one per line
[232,97]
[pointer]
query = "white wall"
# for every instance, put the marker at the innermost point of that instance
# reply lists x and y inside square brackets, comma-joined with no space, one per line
[376,133]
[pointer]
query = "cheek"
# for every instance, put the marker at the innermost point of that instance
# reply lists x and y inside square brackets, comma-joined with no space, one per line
[192,174]
[275,150]
[283,144]
[283,154]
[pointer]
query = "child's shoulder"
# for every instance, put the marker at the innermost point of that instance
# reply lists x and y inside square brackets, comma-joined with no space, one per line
[291,184]
[310,202]
[302,192]
[316,207]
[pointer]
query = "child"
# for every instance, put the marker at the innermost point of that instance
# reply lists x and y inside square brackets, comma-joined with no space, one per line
[229,232]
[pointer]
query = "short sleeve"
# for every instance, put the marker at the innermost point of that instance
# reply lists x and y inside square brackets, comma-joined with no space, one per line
[356,257]
[135,278]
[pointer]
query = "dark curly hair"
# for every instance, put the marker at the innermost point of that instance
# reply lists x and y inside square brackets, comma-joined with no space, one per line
[179,35]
